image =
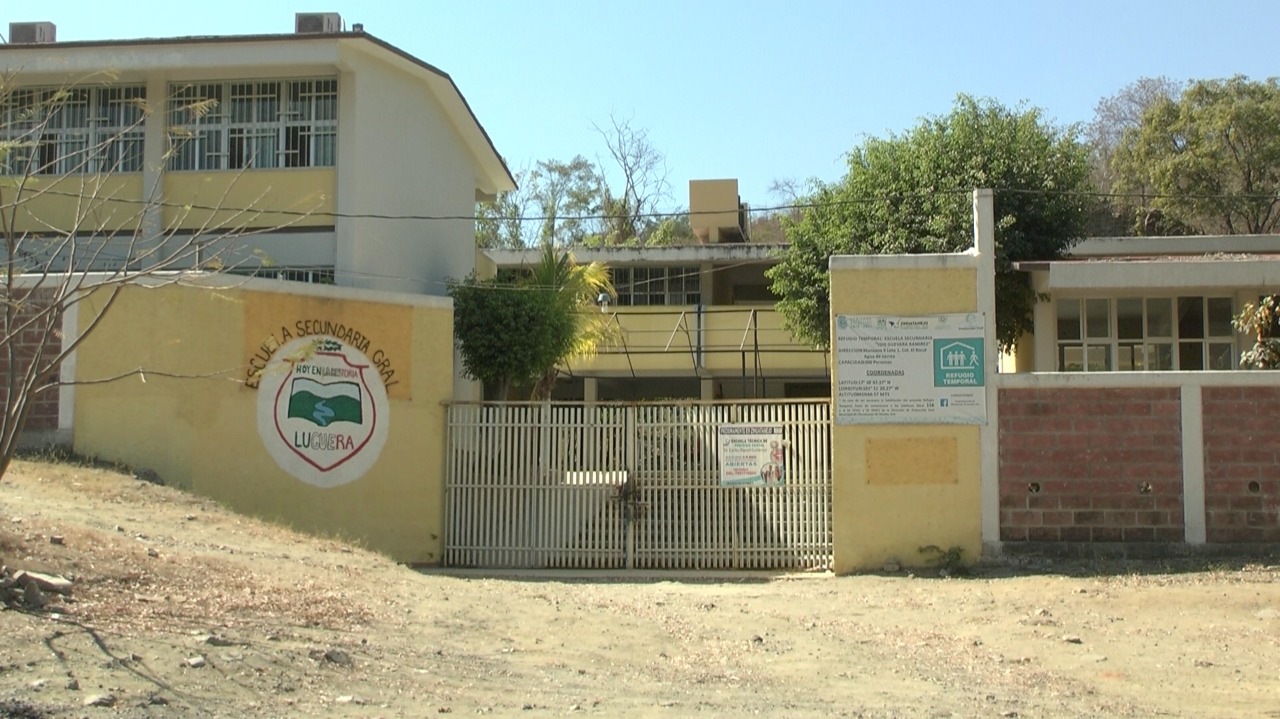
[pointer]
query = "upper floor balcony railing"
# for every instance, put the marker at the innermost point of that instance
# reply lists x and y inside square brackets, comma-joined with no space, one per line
[724,340]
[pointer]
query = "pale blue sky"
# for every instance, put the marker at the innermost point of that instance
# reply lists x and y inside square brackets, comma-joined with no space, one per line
[753,90]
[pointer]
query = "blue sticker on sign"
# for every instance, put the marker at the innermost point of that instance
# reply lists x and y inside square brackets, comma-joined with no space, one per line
[958,363]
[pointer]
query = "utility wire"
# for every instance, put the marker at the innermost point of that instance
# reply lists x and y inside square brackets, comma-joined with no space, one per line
[869,199]
[638,285]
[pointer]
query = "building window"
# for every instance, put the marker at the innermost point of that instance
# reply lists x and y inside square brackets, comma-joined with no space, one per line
[311,275]
[1145,334]
[257,124]
[77,130]
[650,286]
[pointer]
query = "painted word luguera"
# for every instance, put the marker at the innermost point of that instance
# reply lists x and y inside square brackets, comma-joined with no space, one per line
[305,328]
[323,441]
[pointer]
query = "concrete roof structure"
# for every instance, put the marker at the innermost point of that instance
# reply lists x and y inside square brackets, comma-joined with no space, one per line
[82,61]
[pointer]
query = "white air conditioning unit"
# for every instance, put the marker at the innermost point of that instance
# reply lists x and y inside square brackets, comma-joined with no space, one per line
[32,33]
[317,22]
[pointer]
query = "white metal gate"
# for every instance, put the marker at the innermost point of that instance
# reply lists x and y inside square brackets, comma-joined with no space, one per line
[632,485]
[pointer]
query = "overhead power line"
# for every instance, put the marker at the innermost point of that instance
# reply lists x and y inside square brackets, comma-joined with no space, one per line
[869,199]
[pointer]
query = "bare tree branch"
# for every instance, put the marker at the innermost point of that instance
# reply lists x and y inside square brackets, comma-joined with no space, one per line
[74,239]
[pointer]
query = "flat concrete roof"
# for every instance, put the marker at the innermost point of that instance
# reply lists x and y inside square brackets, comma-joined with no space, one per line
[680,255]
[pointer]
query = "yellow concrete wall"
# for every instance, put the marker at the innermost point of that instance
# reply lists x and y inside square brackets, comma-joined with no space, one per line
[712,204]
[1022,358]
[486,268]
[898,487]
[202,433]
[82,203]
[252,198]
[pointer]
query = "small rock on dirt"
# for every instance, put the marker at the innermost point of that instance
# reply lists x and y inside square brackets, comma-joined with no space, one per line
[100,700]
[1072,639]
[195,662]
[46,582]
[332,656]
[73,685]
[33,598]
[56,539]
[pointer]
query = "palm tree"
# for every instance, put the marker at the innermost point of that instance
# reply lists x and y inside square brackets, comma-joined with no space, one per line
[577,289]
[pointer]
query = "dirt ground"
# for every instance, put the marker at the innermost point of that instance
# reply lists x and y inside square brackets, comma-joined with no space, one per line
[182,609]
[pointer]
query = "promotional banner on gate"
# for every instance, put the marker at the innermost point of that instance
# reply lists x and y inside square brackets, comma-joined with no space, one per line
[911,370]
[751,454]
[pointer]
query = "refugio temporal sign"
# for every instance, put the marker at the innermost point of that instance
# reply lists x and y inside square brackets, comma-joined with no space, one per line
[911,370]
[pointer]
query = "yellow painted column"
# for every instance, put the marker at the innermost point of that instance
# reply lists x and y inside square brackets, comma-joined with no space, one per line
[898,487]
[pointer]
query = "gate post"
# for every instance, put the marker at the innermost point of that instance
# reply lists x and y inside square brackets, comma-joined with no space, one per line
[913,357]
[627,519]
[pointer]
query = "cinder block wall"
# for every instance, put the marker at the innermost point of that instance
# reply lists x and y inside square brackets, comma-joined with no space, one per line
[1091,465]
[1242,463]
[42,418]
[1177,458]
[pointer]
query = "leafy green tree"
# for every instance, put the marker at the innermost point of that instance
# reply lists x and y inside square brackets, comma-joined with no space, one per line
[672,231]
[508,334]
[1211,157]
[1113,116]
[912,193]
[575,205]
[559,194]
[500,222]
[516,331]
[564,193]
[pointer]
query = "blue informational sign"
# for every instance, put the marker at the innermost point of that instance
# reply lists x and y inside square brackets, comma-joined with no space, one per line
[911,370]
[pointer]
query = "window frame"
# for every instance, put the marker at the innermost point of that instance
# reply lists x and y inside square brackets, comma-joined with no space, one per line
[309,274]
[1153,347]
[661,285]
[268,123]
[76,130]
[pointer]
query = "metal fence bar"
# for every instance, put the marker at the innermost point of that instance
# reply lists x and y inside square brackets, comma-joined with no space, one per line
[541,485]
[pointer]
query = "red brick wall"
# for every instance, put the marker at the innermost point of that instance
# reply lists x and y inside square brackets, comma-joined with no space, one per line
[1242,463]
[43,412]
[1091,465]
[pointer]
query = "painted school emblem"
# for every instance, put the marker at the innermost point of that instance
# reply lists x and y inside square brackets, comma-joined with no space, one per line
[322,411]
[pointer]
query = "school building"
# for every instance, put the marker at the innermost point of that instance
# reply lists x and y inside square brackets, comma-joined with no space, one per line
[695,321]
